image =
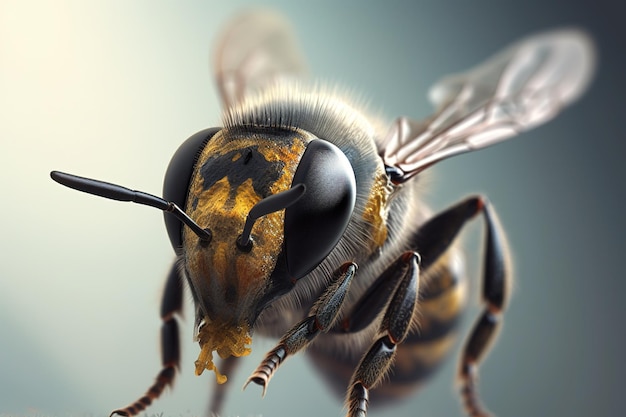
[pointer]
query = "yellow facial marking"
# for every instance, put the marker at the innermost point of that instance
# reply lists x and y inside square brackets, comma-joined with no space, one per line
[375,212]
[219,192]
[220,255]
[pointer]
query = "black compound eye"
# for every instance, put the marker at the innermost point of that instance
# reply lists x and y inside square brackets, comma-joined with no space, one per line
[316,222]
[178,178]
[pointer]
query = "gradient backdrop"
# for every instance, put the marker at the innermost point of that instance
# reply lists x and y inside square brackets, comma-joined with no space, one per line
[110,89]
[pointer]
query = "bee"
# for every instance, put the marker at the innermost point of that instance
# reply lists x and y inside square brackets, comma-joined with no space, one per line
[301,217]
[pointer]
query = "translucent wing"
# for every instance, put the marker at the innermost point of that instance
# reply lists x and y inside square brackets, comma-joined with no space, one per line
[521,87]
[254,50]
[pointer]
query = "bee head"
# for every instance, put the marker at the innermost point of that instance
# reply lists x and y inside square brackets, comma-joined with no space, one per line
[275,202]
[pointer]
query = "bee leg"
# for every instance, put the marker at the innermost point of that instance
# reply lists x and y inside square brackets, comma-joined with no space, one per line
[321,317]
[171,304]
[227,367]
[394,327]
[432,239]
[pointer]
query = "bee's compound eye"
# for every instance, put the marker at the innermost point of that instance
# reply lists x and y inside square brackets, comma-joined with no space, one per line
[316,222]
[178,177]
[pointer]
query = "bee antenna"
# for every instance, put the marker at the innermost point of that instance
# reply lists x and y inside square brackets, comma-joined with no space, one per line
[271,204]
[119,193]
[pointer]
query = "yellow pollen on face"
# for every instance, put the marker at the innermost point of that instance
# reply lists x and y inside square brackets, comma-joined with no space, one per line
[226,341]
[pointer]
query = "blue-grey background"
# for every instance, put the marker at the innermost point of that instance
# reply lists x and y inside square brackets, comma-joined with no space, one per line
[110,89]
